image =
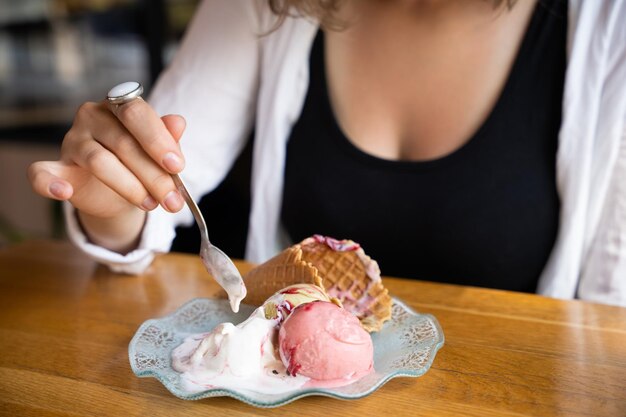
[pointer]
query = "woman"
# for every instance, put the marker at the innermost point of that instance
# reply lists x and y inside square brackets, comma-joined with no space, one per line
[452,139]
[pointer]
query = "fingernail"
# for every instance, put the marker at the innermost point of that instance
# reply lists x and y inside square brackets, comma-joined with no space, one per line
[149,203]
[173,162]
[173,201]
[57,189]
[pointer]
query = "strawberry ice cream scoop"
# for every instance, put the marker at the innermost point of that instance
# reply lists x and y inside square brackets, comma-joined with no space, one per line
[322,341]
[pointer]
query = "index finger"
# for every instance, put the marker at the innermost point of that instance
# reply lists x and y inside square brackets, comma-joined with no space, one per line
[140,119]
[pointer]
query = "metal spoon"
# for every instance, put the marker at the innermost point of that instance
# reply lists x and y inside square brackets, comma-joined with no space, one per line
[216,262]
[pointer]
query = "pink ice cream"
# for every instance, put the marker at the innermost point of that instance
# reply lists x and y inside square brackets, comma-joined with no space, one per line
[322,341]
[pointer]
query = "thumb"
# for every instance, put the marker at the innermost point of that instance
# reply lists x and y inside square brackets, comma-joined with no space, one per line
[51,179]
[175,124]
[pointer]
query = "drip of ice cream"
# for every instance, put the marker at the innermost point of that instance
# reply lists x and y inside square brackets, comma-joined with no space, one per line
[322,341]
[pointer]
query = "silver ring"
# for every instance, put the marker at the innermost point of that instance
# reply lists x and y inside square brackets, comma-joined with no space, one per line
[124,92]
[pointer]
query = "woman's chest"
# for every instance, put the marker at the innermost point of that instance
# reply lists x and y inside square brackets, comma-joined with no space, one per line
[413,89]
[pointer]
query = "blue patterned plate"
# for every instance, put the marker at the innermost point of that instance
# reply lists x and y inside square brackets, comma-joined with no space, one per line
[406,346]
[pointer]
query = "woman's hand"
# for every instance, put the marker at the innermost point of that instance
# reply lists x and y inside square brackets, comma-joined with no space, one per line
[115,165]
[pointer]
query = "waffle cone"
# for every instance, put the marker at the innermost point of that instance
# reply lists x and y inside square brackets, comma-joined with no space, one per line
[353,278]
[285,269]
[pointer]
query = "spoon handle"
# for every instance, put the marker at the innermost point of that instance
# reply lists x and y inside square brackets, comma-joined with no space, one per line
[197,214]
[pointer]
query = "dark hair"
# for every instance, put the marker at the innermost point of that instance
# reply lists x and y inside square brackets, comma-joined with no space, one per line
[324,10]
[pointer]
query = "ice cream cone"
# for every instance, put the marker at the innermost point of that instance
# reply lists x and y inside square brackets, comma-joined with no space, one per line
[285,269]
[351,276]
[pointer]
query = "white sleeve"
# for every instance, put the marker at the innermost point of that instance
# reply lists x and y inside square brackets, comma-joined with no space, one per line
[212,82]
[157,235]
[603,277]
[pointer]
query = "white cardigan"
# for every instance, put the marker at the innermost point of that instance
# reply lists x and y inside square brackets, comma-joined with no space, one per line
[230,75]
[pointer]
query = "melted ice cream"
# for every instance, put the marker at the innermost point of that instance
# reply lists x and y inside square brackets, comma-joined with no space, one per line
[235,357]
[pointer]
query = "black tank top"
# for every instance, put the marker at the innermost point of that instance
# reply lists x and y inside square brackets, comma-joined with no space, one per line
[485,215]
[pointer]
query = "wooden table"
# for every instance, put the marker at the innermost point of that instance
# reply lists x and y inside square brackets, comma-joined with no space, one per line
[65,325]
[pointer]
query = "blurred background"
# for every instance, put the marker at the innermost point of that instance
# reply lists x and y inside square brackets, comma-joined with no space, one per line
[54,55]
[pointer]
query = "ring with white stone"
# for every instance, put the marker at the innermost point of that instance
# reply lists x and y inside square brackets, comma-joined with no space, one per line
[124,93]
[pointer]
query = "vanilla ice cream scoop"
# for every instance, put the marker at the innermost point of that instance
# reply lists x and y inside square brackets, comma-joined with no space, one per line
[241,350]
[242,356]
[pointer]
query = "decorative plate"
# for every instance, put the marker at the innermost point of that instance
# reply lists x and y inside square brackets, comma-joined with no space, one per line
[406,346]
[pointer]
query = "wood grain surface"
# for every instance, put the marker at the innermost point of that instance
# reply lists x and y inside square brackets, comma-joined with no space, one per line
[65,325]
